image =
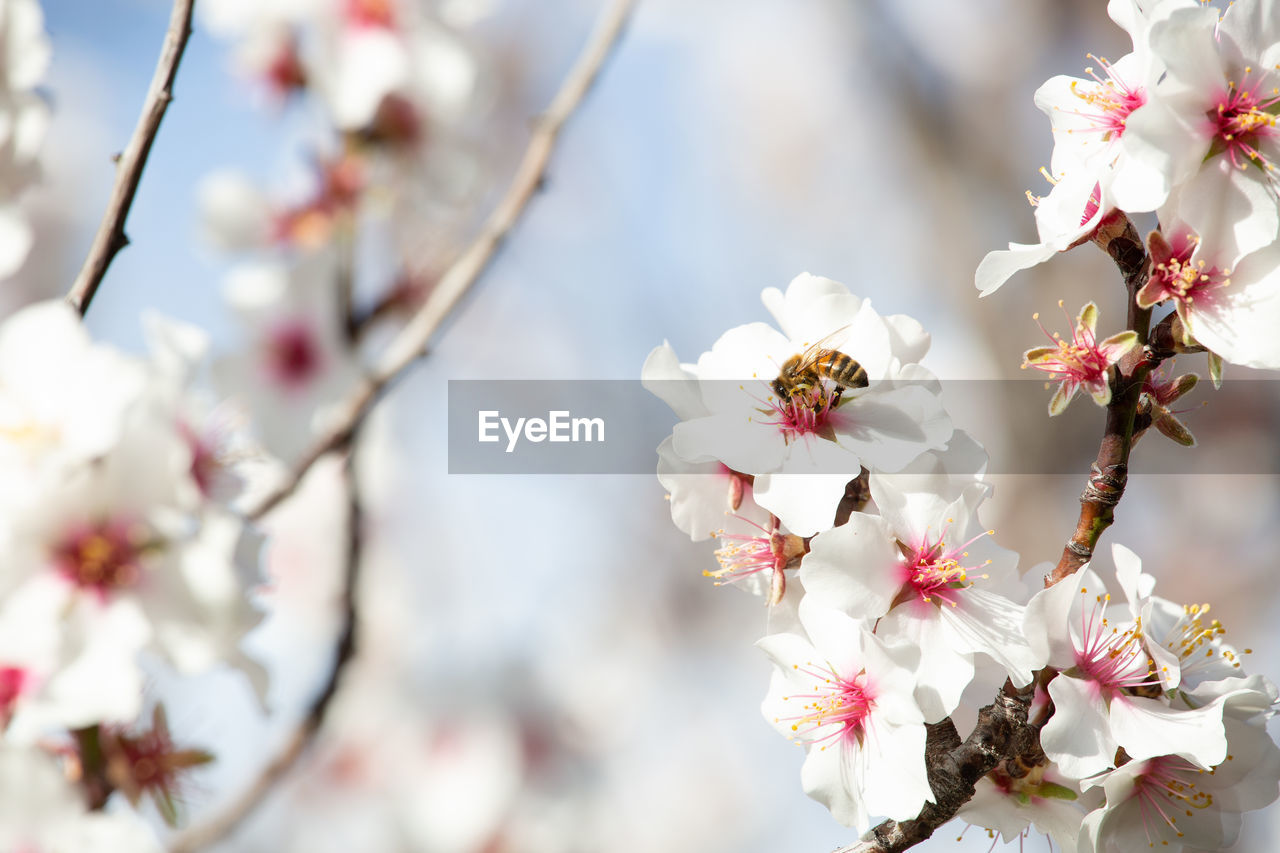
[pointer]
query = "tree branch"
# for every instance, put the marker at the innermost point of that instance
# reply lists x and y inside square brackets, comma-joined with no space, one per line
[244,805]
[954,768]
[1110,470]
[412,341]
[110,238]
[1003,732]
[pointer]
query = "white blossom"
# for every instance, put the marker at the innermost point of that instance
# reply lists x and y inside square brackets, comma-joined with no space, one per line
[849,701]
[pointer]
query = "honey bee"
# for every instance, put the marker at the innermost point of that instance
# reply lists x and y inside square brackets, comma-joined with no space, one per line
[805,370]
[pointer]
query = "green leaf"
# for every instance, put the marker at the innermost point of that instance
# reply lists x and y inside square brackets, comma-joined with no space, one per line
[1051,791]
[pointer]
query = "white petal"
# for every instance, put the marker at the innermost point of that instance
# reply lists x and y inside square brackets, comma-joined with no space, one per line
[1238,321]
[985,623]
[944,672]
[889,429]
[896,783]
[836,777]
[664,377]
[855,567]
[999,266]
[1078,737]
[1147,728]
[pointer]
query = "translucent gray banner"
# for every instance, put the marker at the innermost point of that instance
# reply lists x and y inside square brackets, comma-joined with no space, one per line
[615,426]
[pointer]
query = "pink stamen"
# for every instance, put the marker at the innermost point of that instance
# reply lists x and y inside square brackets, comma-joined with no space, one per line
[1165,792]
[1080,362]
[934,572]
[1177,277]
[1115,660]
[840,703]
[103,556]
[1110,101]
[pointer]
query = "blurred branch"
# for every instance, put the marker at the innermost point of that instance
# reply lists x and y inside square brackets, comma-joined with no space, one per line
[1109,473]
[1002,732]
[203,835]
[110,238]
[405,349]
[411,342]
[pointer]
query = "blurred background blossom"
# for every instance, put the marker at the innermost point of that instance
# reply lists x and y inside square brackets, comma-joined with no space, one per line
[543,666]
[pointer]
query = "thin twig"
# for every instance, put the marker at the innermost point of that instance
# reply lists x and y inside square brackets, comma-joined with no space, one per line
[408,346]
[111,238]
[411,342]
[1109,473]
[234,815]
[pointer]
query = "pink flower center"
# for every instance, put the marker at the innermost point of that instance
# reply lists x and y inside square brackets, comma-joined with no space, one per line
[1183,280]
[1165,791]
[1242,120]
[1112,658]
[839,704]
[935,573]
[102,557]
[1108,101]
[293,356]
[804,413]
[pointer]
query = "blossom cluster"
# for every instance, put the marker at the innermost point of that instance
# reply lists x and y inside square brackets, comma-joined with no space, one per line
[843,496]
[1183,126]
[121,546]
[378,205]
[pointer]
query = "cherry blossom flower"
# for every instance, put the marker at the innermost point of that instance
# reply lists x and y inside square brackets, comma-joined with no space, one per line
[710,500]
[848,700]
[1068,216]
[1170,803]
[1210,125]
[1090,115]
[298,361]
[928,576]
[1184,641]
[1105,667]
[1084,363]
[1228,310]
[803,449]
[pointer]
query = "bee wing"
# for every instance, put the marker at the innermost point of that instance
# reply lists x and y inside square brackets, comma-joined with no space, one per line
[815,350]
